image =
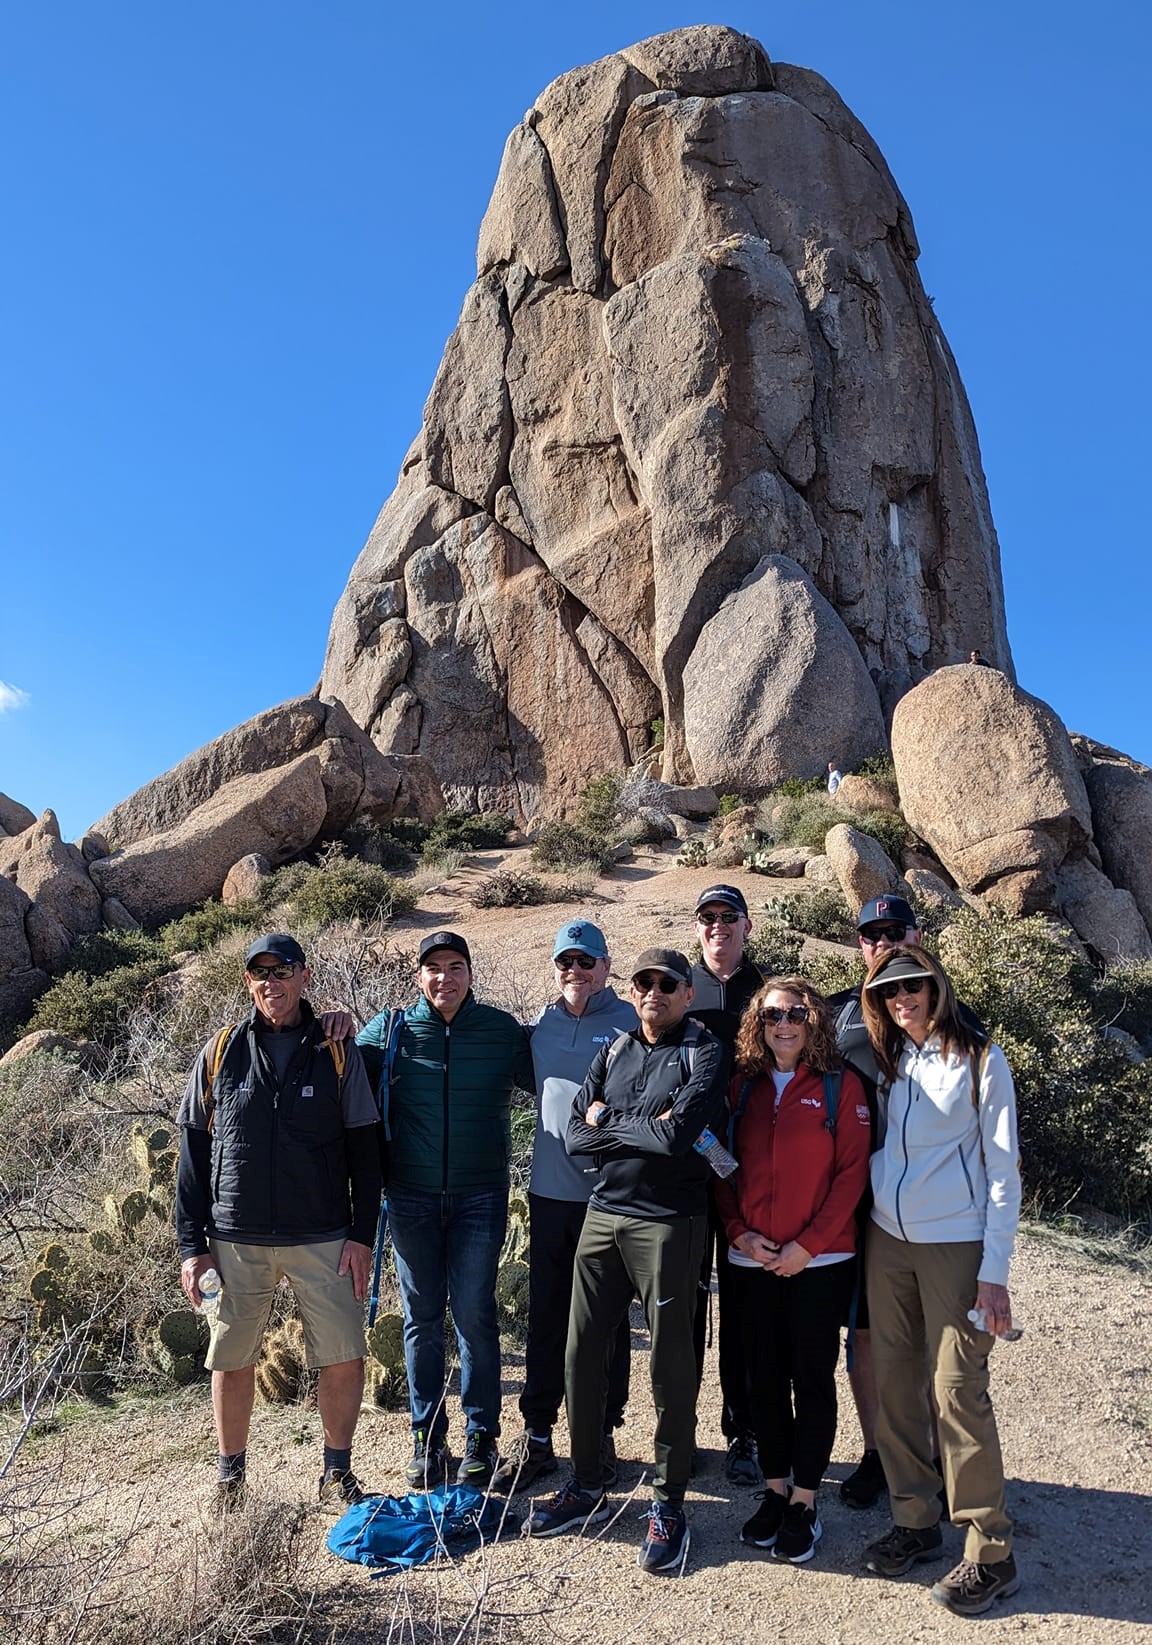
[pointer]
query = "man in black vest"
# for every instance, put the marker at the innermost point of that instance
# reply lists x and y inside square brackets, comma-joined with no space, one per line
[279,1178]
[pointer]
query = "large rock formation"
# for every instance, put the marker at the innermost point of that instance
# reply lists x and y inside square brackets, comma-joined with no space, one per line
[697,343]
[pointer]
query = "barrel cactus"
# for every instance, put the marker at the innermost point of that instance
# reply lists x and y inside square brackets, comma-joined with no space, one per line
[282,1375]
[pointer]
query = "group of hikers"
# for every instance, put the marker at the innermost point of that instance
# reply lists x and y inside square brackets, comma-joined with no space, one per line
[840,1165]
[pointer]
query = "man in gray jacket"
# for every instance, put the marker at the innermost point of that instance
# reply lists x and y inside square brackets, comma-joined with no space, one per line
[566,1036]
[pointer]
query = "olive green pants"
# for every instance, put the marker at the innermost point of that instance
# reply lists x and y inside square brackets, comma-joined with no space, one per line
[918,1301]
[616,1258]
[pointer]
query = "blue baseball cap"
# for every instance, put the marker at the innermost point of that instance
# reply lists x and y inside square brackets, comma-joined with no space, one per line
[581,937]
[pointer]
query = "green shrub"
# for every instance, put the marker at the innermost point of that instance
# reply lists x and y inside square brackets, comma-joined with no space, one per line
[804,818]
[96,1008]
[205,926]
[1085,1109]
[512,889]
[1124,997]
[773,946]
[728,804]
[596,808]
[104,951]
[380,846]
[466,831]
[656,731]
[342,888]
[833,973]
[799,788]
[880,767]
[888,827]
[568,845]
[822,913]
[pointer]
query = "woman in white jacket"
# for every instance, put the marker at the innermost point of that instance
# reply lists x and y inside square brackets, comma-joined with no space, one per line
[946,1191]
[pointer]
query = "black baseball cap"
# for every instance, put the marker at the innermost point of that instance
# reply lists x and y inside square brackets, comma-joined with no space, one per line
[668,960]
[887,908]
[280,944]
[444,939]
[730,894]
[903,965]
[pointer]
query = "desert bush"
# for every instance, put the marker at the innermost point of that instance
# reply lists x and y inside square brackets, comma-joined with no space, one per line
[382,846]
[569,845]
[833,973]
[822,913]
[888,827]
[774,946]
[466,831]
[801,788]
[599,802]
[1085,1108]
[880,767]
[728,804]
[339,888]
[805,818]
[512,889]
[103,951]
[1124,997]
[95,1008]
[203,927]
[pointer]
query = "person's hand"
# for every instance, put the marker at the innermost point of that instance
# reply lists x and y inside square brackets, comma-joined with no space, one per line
[338,1025]
[594,1111]
[997,1306]
[791,1259]
[356,1259]
[190,1270]
[754,1245]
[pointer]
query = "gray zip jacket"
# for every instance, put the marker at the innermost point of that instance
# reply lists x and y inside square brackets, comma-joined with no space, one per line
[563,1047]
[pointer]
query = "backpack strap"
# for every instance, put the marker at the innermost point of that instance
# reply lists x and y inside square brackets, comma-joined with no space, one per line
[384,1087]
[212,1061]
[978,1066]
[615,1049]
[689,1046]
[736,1114]
[832,1099]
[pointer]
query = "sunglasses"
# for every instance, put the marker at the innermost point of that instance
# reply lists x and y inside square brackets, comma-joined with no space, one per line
[729,917]
[906,985]
[572,962]
[877,933]
[776,1014]
[261,973]
[646,982]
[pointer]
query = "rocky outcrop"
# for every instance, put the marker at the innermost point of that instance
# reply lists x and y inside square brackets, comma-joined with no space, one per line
[863,867]
[989,779]
[1107,919]
[20,979]
[697,343]
[46,1042]
[66,905]
[242,881]
[1120,791]
[866,794]
[14,817]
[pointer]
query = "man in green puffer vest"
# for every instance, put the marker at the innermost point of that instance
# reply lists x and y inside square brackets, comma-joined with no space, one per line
[455,1067]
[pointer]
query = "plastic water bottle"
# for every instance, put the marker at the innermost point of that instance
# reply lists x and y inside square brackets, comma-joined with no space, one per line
[210,1286]
[709,1145]
[980,1320]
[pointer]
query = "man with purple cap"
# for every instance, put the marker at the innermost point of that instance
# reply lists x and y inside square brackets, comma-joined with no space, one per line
[586,1015]
[456,1063]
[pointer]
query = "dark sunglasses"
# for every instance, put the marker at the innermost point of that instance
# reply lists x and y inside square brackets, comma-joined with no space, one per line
[261,973]
[644,983]
[877,933]
[572,962]
[776,1014]
[907,985]
[729,917]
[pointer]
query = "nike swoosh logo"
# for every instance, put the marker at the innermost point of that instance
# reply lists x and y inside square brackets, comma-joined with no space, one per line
[663,1301]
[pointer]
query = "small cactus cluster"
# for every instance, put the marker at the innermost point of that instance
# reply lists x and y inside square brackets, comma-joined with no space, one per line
[385,1378]
[50,1290]
[512,1273]
[153,1152]
[177,1345]
[282,1375]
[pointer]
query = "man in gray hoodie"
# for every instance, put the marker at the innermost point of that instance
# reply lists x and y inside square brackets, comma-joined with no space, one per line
[565,1037]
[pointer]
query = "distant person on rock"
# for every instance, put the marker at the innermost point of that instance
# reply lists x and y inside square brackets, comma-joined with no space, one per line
[722,985]
[646,1101]
[456,1063]
[834,778]
[883,922]
[586,1016]
[979,660]
[279,1178]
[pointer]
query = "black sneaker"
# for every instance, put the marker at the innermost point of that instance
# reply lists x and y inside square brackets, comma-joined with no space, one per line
[429,1461]
[340,1489]
[902,1548]
[479,1461]
[666,1544]
[609,1466]
[866,1484]
[571,1509]
[972,1589]
[798,1535]
[742,1466]
[528,1460]
[760,1531]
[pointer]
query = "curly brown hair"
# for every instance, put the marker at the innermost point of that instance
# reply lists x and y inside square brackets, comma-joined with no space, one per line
[946,1021]
[820,1053]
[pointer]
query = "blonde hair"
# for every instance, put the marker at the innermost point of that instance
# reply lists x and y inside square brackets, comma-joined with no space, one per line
[887,1038]
[753,1055]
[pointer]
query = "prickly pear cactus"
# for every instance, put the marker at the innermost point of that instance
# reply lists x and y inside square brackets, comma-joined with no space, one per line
[516,1239]
[125,1212]
[512,1295]
[177,1344]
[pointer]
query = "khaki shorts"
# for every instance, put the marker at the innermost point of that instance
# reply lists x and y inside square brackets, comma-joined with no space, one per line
[333,1319]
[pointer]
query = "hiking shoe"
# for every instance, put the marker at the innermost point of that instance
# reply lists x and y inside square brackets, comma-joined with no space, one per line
[230,1495]
[340,1489]
[571,1509]
[760,1531]
[609,1466]
[972,1589]
[527,1460]
[798,1535]
[866,1484]
[429,1461]
[742,1466]
[902,1548]
[666,1544]
[480,1459]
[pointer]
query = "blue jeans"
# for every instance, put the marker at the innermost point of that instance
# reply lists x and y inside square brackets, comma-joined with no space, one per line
[447,1247]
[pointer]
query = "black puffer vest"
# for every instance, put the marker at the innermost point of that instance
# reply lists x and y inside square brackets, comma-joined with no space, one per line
[279,1165]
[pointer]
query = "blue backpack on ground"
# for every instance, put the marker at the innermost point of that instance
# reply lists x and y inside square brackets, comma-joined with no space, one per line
[395,1533]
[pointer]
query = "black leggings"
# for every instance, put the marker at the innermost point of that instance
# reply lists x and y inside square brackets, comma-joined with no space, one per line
[791,1330]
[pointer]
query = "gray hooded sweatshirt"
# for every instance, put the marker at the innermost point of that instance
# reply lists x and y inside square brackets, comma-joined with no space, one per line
[563,1047]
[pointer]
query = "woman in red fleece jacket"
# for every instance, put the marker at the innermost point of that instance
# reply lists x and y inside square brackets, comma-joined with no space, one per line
[790,1216]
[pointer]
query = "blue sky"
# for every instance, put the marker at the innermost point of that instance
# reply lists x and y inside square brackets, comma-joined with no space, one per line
[239,234]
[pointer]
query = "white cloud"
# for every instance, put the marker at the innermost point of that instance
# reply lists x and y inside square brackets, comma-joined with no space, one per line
[11,696]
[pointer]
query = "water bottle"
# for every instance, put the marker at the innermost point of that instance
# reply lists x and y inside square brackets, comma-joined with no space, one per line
[980,1320]
[713,1150]
[210,1286]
